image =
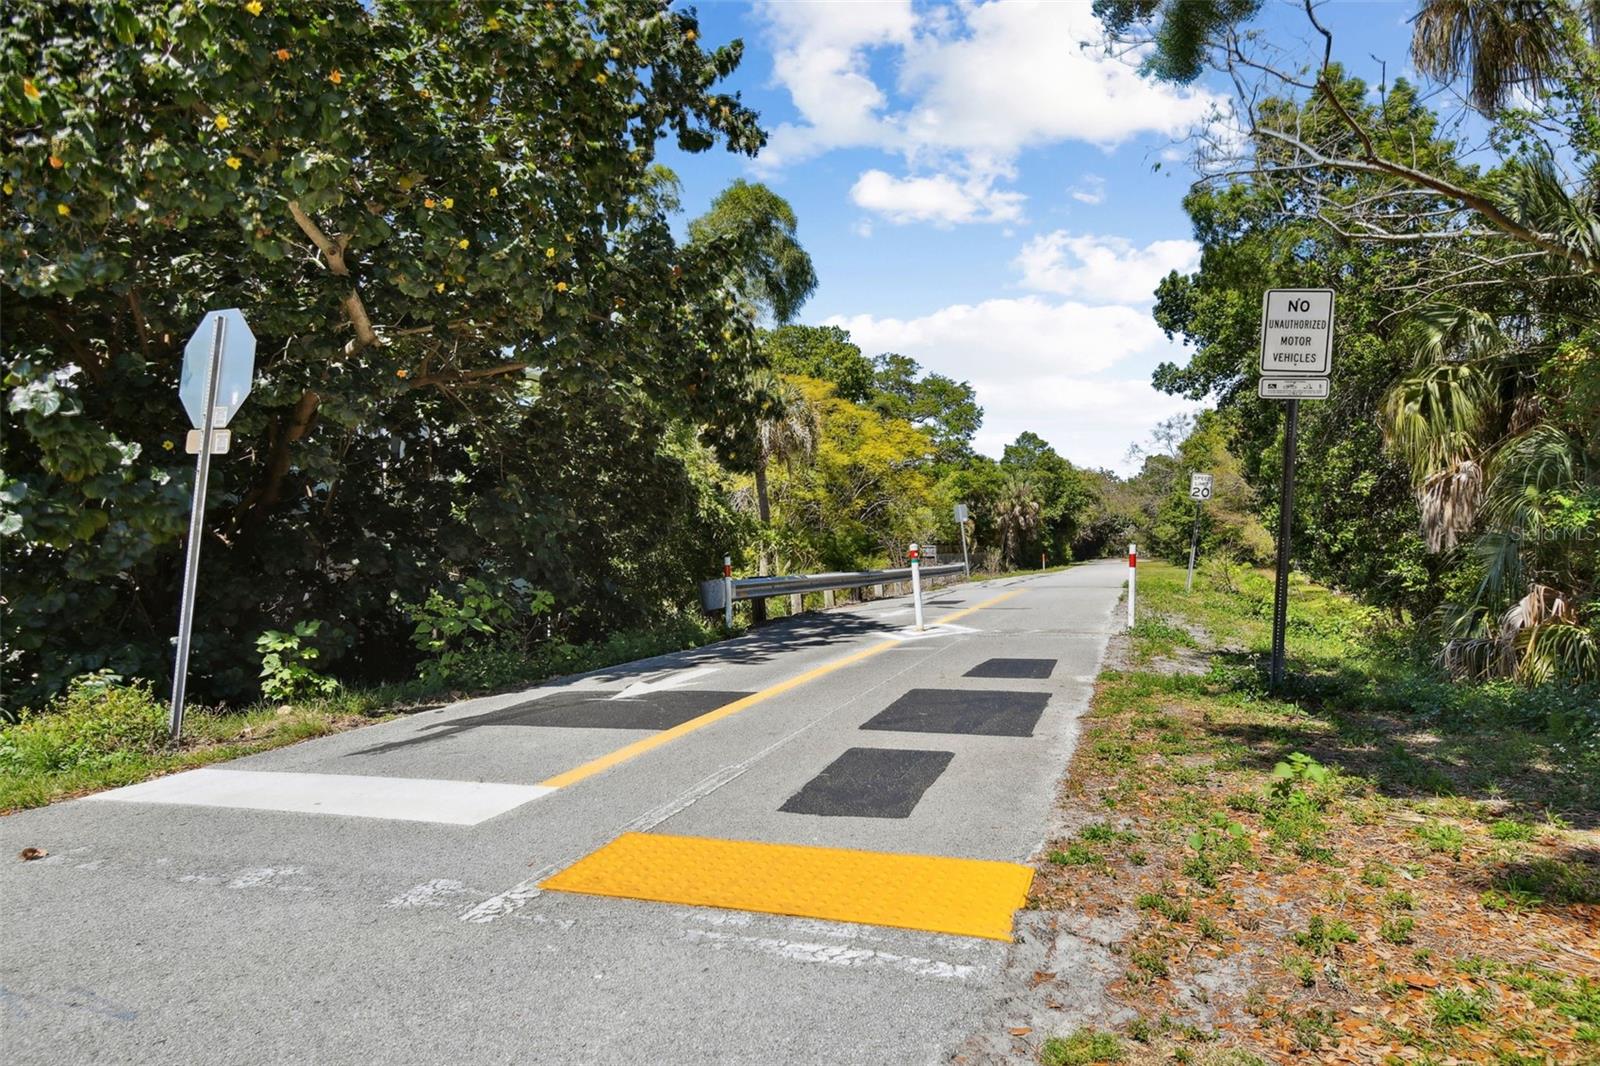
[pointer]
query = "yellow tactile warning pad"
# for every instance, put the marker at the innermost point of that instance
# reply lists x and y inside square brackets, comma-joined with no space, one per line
[967,897]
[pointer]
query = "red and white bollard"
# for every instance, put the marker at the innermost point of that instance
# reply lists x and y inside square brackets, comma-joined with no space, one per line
[1133,574]
[727,591]
[916,582]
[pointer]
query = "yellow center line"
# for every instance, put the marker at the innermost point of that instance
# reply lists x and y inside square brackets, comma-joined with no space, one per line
[667,736]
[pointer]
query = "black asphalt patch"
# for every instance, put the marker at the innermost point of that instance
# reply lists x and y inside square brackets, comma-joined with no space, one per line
[581,710]
[948,710]
[1032,669]
[870,783]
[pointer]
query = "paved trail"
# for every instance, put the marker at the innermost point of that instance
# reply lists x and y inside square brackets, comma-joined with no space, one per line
[605,870]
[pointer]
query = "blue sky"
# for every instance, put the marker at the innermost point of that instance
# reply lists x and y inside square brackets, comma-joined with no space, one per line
[984,195]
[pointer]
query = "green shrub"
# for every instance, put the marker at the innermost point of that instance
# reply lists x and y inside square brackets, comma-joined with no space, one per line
[286,658]
[99,722]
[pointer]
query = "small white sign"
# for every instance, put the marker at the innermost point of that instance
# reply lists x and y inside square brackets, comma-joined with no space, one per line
[1292,388]
[1200,486]
[221,440]
[961,512]
[235,377]
[1297,332]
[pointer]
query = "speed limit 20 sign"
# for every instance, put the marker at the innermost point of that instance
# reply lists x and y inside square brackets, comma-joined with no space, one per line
[1200,486]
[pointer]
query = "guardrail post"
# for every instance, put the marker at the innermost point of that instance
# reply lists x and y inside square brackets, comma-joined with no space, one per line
[727,591]
[916,584]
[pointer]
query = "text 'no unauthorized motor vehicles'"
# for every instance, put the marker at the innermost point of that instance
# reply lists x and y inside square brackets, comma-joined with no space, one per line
[1297,332]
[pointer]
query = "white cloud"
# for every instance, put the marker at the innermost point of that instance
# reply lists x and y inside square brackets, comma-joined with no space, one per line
[1060,369]
[1021,76]
[1091,190]
[976,85]
[1102,269]
[941,199]
[820,57]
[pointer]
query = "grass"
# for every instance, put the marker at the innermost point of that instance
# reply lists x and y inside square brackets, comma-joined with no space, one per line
[1082,1048]
[1321,860]
[104,735]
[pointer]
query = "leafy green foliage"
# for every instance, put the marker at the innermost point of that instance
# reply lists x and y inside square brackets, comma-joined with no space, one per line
[482,353]
[98,723]
[287,658]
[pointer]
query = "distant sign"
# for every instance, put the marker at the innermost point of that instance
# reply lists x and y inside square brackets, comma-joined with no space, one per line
[1296,332]
[1292,388]
[233,380]
[1200,486]
[961,512]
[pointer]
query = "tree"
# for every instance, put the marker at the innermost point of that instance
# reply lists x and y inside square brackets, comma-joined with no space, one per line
[788,435]
[822,352]
[775,275]
[946,408]
[1016,517]
[444,224]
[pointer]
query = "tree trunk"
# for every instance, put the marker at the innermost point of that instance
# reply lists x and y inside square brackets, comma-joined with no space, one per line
[758,606]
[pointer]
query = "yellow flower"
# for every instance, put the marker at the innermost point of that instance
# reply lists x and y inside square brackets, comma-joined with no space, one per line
[444,46]
[233,162]
[335,77]
[549,253]
[8,188]
[561,286]
[449,202]
[493,23]
[63,210]
[29,89]
[254,7]
[463,244]
[439,287]
[429,203]
[600,79]
[402,373]
[221,122]
[689,36]
[494,191]
[167,445]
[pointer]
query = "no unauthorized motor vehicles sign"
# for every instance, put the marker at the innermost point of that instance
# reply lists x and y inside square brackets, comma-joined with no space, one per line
[1296,332]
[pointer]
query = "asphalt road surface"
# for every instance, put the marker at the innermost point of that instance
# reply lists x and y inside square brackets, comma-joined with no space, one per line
[800,846]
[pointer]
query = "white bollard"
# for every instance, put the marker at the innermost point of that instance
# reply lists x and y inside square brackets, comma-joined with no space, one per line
[1133,576]
[916,584]
[727,591]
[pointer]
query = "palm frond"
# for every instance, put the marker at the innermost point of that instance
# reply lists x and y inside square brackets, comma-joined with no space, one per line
[1500,47]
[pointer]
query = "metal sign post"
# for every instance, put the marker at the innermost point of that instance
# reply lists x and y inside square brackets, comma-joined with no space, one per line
[216,378]
[961,523]
[1280,597]
[916,583]
[1296,361]
[727,592]
[1199,492]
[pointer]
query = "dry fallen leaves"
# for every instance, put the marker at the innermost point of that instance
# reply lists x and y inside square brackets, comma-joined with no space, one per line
[29,854]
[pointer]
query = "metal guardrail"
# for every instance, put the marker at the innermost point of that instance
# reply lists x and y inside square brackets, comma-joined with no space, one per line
[755,588]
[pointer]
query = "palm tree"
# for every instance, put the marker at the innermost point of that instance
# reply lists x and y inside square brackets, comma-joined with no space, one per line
[767,265]
[787,434]
[1489,452]
[1501,46]
[1016,517]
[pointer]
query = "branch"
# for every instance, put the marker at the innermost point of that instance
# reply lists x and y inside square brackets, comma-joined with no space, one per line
[333,255]
[1372,162]
[465,376]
